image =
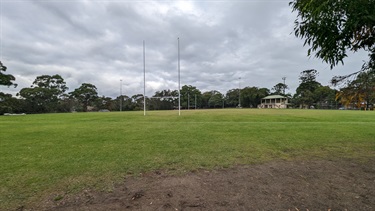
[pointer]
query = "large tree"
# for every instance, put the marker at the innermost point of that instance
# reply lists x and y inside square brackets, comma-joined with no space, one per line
[325,97]
[137,102]
[251,96]
[188,95]
[8,104]
[279,89]
[44,93]
[6,79]
[86,95]
[232,98]
[164,100]
[216,100]
[331,27]
[305,96]
[205,99]
[360,91]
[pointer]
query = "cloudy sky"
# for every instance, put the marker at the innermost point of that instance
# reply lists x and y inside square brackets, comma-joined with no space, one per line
[100,42]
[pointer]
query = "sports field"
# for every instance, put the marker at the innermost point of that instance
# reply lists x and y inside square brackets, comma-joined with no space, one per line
[47,153]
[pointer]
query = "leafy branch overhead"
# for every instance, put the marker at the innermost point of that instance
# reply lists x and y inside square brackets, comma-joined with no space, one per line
[332,27]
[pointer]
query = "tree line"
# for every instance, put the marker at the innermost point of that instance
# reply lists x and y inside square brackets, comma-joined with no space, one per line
[48,94]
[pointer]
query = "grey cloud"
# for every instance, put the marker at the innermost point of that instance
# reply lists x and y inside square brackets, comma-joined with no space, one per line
[100,42]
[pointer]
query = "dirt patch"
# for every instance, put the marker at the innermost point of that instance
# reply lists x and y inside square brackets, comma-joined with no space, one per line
[297,185]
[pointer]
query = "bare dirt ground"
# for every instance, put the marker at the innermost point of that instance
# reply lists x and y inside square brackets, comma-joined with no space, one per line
[281,185]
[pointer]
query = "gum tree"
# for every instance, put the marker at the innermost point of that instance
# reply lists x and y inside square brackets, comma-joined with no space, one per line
[86,95]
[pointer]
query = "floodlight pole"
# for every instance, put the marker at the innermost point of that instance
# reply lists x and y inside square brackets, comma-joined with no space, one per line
[284,84]
[144,79]
[179,94]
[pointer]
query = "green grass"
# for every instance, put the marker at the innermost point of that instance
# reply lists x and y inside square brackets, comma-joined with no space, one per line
[63,153]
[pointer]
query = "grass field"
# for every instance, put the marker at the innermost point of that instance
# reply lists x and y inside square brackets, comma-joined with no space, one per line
[47,153]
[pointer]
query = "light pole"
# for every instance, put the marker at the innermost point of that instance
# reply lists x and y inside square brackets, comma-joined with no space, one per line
[284,78]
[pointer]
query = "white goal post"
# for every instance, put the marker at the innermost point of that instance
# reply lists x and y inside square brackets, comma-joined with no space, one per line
[144,79]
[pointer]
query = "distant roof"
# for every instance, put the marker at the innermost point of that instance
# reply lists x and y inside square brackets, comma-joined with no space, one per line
[274,97]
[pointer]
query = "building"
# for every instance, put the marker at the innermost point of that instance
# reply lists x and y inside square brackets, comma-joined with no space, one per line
[274,101]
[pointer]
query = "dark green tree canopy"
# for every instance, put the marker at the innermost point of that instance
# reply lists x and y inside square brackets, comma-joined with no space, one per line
[44,93]
[331,27]
[6,79]
[188,94]
[86,94]
[279,89]
[251,96]
[216,99]
[232,97]
[55,82]
[308,81]
[305,92]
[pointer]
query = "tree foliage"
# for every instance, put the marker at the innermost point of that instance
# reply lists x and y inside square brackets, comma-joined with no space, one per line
[360,91]
[331,27]
[232,98]
[6,79]
[279,89]
[44,93]
[216,99]
[86,95]
[305,96]
[251,96]
[164,100]
[9,104]
[188,94]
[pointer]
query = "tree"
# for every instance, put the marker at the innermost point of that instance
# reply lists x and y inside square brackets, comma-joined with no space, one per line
[44,93]
[188,94]
[10,104]
[216,99]
[331,27]
[6,79]
[137,102]
[205,99]
[232,97]
[86,94]
[104,102]
[325,96]
[251,96]
[279,89]
[305,91]
[359,91]
[165,100]
[126,103]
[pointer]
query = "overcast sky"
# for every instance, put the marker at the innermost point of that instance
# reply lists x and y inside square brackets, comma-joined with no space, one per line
[100,42]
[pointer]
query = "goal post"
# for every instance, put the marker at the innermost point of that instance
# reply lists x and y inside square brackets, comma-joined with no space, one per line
[144,78]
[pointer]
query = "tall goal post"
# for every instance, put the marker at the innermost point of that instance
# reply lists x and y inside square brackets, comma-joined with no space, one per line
[144,78]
